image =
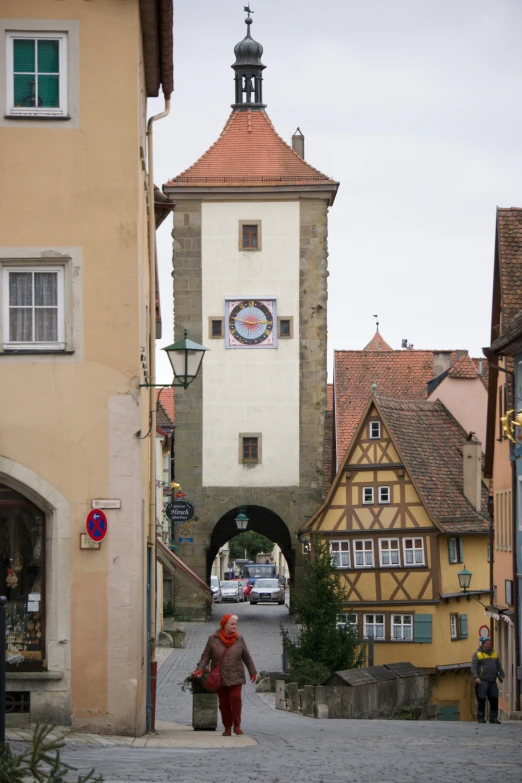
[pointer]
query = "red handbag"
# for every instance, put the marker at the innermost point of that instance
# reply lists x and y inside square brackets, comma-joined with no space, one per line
[212,682]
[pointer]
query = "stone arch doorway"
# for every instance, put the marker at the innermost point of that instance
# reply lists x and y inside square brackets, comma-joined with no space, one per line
[261,520]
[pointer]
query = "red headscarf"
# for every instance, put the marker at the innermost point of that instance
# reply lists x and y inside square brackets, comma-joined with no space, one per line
[228,639]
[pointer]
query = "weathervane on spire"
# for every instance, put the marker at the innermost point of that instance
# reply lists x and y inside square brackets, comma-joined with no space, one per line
[247,9]
[377,322]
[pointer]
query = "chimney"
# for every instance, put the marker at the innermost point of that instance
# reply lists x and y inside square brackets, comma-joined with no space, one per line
[472,455]
[298,143]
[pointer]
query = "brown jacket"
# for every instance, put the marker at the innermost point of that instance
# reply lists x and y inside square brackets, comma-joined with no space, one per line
[232,669]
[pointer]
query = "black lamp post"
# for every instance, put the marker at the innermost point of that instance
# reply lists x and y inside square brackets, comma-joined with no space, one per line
[185,357]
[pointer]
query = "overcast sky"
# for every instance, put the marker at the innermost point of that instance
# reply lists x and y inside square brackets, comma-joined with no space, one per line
[414,106]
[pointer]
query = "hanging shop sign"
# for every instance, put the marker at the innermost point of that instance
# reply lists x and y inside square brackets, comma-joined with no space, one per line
[179,511]
[96,525]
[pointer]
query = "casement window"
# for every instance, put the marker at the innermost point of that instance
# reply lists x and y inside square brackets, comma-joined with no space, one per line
[389,552]
[250,448]
[285,327]
[216,328]
[508,587]
[348,619]
[455,549]
[340,553]
[413,551]
[374,626]
[36,70]
[384,495]
[458,626]
[250,235]
[368,495]
[375,430]
[402,627]
[363,553]
[33,308]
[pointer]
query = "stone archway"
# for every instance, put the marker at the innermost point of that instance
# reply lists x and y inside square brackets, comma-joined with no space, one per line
[261,520]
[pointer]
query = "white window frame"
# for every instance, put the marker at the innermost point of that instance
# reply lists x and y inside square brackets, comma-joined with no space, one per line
[388,490]
[389,551]
[364,551]
[454,626]
[374,430]
[344,549]
[36,111]
[374,625]
[368,502]
[402,625]
[10,345]
[414,549]
[348,618]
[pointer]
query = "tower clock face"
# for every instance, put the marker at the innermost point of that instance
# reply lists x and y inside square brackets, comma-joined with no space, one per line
[250,323]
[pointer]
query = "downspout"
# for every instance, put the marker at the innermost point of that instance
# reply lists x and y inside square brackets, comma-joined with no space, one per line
[152,377]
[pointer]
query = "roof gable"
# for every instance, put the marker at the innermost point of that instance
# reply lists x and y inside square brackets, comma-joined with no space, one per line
[464,369]
[250,153]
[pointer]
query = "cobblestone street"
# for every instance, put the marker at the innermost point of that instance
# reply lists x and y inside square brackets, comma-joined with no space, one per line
[292,748]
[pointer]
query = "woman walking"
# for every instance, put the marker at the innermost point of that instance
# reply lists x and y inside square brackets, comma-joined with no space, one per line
[228,648]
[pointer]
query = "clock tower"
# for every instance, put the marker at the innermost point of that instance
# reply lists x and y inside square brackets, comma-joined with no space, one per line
[250,283]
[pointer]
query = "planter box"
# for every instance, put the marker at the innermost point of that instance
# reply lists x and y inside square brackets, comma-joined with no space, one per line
[204,711]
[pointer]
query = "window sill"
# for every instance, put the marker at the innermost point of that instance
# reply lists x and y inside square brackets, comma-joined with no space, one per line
[44,117]
[34,352]
[43,675]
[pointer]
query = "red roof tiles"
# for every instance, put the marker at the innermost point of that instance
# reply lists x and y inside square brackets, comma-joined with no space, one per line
[329,397]
[464,368]
[377,343]
[250,152]
[431,443]
[399,375]
[510,246]
[165,397]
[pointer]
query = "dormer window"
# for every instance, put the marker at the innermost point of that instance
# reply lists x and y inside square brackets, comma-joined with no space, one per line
[375,430]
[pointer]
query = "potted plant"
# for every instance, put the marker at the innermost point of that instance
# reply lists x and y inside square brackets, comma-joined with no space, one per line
[204,704]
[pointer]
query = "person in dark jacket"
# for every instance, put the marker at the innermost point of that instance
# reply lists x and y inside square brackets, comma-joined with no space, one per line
[232,670]
[485,668]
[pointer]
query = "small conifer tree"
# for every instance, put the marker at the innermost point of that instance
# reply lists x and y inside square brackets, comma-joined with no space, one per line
[323,646]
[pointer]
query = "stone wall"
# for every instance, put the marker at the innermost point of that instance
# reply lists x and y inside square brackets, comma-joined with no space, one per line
[291,504]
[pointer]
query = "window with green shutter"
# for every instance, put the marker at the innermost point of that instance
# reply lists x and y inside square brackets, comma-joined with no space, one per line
[463,626]
[455,549]
[37,74]
[422,625]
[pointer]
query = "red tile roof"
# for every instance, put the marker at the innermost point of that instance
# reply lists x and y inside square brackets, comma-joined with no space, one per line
[510,246]
[250,152]
[329,397]
[431,442]
[377,343]
[328,468]
[165,397]
[464,368]
[399,375]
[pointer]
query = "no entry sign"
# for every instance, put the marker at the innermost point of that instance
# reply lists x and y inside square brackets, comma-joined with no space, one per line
[96,525]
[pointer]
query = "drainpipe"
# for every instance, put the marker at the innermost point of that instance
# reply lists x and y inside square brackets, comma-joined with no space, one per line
[152,403]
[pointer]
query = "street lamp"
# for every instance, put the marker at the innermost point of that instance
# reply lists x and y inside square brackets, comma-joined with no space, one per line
[464,579]
[185,357]
[242,520]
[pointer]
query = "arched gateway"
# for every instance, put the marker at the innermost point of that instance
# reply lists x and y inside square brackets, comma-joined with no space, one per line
[261,520]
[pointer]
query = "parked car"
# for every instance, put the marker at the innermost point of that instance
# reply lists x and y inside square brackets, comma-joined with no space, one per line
[216,590]
[231,590]
[267,590]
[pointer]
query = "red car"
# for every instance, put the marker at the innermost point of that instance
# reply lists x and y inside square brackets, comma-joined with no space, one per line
[246,587]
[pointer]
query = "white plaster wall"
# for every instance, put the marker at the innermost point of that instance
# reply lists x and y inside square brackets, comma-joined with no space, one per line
[251,389]
[467,400]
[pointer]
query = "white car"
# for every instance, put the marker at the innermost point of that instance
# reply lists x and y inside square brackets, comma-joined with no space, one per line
[266,590]
[231,591]
[216,590]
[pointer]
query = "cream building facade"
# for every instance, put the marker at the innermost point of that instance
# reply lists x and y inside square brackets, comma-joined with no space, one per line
[75,346]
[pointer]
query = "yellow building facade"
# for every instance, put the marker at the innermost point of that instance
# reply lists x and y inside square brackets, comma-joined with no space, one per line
[400,527]
[75,346]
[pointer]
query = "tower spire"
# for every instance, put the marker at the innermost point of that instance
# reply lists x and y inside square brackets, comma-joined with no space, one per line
[248,69]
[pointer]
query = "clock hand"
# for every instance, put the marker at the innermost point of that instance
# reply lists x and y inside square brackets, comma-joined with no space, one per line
[247,321]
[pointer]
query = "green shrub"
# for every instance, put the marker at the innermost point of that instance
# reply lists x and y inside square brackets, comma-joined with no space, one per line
[318,600]
[168,608]
[40,762]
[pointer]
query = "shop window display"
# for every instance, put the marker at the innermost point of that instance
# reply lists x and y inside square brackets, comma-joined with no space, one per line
[22,579]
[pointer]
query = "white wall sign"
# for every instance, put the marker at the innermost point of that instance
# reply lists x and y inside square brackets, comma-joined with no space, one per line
[97,503]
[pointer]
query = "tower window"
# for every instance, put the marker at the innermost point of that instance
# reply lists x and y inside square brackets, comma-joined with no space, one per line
[250,235]
[215,328]
[250,448]
[285,327]
[375,430]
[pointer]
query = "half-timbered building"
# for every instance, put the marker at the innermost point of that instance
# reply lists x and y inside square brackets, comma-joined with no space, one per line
[406,510]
